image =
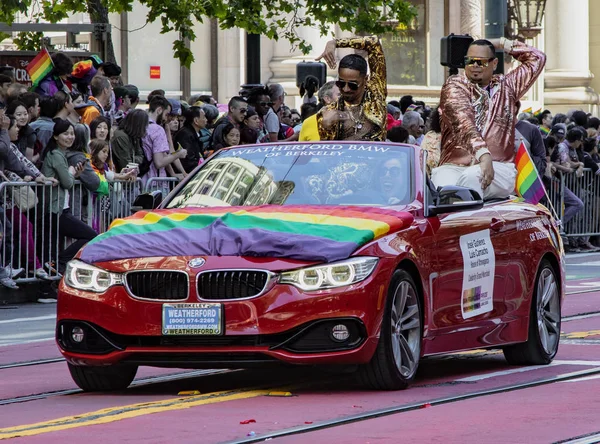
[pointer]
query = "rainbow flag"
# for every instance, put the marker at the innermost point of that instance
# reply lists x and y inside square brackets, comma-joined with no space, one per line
[529,186]
[307,233]
[39,67]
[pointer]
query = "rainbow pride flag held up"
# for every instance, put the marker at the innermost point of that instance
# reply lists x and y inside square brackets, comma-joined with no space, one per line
[39,67]
[308,233]
[529,186]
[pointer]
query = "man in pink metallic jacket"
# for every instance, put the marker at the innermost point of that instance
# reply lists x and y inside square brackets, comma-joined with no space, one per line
[478,115]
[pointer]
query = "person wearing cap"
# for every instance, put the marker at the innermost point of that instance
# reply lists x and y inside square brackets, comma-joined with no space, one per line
[559,131]
[82,74]
[112,71]
[478,115]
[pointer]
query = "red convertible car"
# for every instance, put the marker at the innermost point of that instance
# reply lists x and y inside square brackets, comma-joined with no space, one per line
[312,254]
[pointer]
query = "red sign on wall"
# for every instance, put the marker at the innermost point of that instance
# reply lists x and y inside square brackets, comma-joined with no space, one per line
[155,72]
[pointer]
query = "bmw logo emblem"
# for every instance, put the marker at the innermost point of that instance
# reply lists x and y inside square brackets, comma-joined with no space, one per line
[196,263]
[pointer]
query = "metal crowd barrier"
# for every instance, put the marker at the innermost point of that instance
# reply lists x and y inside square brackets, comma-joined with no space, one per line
[30,238]
[587,188]
[164,184]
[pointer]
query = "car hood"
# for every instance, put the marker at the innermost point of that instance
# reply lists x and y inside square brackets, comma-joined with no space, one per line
[307,233]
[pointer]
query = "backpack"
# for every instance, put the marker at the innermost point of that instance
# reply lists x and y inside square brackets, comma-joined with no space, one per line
[144,167]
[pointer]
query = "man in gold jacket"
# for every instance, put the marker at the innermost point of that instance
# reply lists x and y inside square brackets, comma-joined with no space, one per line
[478,115]
[360,113]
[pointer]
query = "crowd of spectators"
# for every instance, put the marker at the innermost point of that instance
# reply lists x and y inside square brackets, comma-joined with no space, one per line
[81,123]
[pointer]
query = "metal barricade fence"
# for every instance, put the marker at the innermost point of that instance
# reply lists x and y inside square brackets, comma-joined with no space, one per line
[587,221]
[29,234]
[102,210]
[164,184]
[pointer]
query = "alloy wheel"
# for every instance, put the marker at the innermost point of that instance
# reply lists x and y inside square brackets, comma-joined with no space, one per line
[406,329]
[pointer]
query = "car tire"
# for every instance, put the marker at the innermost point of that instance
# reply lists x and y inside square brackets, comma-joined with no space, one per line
[101,379]
[544,322]
[396,360]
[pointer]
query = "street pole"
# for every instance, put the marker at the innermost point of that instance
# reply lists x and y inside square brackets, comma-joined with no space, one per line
[495,15]
[252,58]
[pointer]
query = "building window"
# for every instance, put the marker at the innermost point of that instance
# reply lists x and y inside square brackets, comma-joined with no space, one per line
[413,54]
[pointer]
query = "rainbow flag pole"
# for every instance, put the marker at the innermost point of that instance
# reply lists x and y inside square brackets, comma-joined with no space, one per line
[39,67]
[529,186]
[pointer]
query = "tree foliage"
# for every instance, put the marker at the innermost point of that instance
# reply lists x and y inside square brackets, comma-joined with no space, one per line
[276,19]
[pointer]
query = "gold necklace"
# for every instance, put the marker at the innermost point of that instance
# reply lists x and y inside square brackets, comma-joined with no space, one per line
[358,122]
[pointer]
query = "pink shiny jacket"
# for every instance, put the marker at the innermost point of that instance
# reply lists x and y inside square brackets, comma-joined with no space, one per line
[473,118]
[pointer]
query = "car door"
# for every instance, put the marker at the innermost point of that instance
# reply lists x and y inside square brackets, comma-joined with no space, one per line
[467,288]
[523,229]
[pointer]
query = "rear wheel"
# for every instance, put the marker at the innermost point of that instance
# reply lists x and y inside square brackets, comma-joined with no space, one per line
[544,322]
[97,379]
[395,362]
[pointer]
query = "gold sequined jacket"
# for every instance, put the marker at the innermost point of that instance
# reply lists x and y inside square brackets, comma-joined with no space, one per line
[374,99]
[475,120]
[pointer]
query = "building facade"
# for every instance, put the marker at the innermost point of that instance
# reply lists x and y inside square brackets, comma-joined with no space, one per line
[571,39]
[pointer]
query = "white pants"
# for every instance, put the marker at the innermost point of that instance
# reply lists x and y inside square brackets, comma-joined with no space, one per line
[503,185]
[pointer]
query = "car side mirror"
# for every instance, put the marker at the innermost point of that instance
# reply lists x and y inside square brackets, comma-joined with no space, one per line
[147,201]
[452,198]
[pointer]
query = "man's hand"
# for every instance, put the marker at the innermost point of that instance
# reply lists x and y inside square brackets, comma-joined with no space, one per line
[181,153]
[329,54]
[331,117]
[487,170]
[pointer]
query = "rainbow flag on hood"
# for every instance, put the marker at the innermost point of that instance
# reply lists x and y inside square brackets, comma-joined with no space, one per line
[308,233]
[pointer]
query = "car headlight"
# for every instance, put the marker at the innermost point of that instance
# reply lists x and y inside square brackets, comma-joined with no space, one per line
[334,275]
[86,277]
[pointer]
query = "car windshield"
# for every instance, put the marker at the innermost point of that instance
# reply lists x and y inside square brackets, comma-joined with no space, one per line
[314,174]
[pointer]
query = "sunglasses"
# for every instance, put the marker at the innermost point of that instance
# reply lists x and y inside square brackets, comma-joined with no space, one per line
[243,110]
[393,171]
[352,85]
[265,103]
[470,61]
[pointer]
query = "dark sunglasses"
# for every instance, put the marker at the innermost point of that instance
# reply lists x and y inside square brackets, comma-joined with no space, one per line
[243,110]
[469,61]
[265,103]
[352,85]
[394,171]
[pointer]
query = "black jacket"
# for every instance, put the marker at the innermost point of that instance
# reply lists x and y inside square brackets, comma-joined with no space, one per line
[188,139]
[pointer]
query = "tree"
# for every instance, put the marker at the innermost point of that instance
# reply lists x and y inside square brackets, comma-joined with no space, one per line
[281,19]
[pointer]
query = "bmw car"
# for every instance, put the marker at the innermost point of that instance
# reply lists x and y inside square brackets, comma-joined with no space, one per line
[330,253]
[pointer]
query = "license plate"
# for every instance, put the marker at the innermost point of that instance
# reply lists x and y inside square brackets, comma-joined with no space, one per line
[192,319]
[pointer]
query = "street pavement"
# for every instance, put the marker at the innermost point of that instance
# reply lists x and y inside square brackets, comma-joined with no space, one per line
[246,405]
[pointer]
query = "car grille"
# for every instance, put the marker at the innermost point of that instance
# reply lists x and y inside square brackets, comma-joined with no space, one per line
[161,285]
[231,284]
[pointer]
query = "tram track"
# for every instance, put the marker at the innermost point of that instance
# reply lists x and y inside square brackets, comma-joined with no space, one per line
[31,363]
[136,383]
[389,411]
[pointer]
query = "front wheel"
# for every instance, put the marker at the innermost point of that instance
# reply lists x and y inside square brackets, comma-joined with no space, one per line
[544,322]
[395,362]
[100,379]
